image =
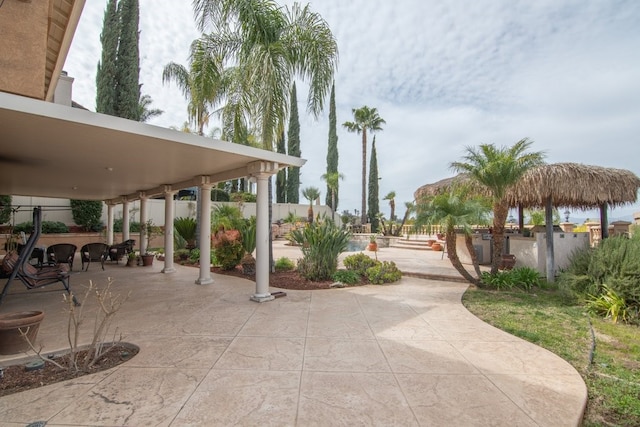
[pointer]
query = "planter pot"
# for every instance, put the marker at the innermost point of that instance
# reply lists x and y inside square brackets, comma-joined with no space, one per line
[147,260]
[373,246]
[132,262]
[430,242]
[436,246]
[11,341]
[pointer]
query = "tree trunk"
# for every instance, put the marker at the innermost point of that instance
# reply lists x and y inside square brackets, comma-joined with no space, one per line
[363,214]
[450,238]
[500,212]
[472,252]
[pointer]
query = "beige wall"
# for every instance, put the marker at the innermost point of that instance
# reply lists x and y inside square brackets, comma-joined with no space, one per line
[23,44]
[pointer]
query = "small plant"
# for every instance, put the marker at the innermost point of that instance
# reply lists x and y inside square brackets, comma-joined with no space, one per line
[608,304]
[193,255]
[108,306]
[284,264]
[525,278]
[182,254]
[384,272]
[322,241]
[501,280]
[359,263]
[186,228]
[150,231]
[228,248]
[348,277]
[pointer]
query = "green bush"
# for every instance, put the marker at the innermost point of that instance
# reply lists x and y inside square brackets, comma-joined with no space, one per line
[219,195]
[348,277]
[359,263]
[182,254]
[186,228]
[384,272]
[614,262]
[284,264]
[608,304]
[48,227]
[228,217]
[87,214]
[134,226]
[228,249]
[194,255]
[321,241]
[501,280]
[248,232]
[5,209]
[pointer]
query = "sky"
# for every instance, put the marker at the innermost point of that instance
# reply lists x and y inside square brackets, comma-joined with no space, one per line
[444,75]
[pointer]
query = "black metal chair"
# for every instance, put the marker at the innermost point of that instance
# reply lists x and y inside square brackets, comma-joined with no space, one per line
[62,253]
[94,252]
[119,250]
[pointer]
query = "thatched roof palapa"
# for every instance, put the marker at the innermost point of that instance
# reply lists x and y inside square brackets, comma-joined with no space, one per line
[575,185]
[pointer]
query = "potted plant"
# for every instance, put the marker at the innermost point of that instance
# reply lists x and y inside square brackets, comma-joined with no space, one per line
[373,244]
[132,259]
[12,324]
[150,231]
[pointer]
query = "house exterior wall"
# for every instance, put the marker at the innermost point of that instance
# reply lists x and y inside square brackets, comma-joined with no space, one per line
[23,47]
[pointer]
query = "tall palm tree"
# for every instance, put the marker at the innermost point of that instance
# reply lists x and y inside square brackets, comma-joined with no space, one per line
[268,46]
[332,179]
[454,211]
[496,169]
[144,109]
[311,194]
[364,119]
[391,197]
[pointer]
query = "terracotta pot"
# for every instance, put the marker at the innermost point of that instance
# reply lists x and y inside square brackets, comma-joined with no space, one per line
[147,260]
[430,242]
[11,341]
[436,246]
[373,246]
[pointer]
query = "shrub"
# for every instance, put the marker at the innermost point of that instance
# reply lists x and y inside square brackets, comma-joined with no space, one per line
[228,217]
[186,228]
[525,278]
[5,209]
[182,254]
[134,226]
[384,272]
[348,277]
[284,264]
[359,263]
[87,214]
[608,304]
[248,233]
[501,280]
[219,195]
[322,241]
[48,227]
[228,248]
[194,255]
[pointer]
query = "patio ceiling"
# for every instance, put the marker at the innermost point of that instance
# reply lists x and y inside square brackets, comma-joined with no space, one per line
[52,150]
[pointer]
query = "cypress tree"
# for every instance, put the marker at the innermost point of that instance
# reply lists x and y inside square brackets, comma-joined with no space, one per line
[293,173]
[106,75]
[374,205]
[281,177]
[128,61]
[332,151]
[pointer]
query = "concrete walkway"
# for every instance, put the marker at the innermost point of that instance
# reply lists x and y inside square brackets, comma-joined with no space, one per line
[402,354]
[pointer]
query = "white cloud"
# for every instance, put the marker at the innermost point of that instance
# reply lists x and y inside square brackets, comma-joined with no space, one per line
[444,75]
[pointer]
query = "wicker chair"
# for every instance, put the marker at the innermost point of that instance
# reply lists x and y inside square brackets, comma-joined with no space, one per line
[94,252]
[118,251]
[62,253]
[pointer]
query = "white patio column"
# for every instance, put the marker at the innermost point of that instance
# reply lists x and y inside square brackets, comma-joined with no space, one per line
[125,220]
[109,224]
[169,215]
[205,232]
[261,172]
[144,216]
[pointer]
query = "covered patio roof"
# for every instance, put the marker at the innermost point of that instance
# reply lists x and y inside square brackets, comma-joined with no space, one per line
[52,150]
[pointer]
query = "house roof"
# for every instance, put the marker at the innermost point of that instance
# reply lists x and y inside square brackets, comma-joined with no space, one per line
[52,150]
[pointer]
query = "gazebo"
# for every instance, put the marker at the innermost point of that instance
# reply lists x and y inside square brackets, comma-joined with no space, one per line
[571,185]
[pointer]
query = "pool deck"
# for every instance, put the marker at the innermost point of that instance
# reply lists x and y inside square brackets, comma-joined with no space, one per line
[404,354]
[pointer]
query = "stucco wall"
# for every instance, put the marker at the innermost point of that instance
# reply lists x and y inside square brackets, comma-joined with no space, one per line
[23,43]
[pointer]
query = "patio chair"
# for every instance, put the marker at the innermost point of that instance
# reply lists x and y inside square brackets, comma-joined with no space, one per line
[62,253]
[16,266]
[119,250]
[93,252]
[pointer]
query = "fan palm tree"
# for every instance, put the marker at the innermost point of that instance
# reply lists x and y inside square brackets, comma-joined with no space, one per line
[365,120]
[497,169]
[144,109]
[333,184]
[311,194]
[391,197]
[454,211]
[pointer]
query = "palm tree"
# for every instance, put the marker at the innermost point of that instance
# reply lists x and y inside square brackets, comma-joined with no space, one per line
[311,194]
[496,170]
[333,184]
[452,211]
[364,119]
[145,111]
[391,197]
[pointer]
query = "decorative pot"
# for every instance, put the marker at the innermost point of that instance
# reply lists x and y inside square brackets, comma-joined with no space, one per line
[147,259]
[430,242]
[436,246]
[132,262]
[11,341]
[373,246]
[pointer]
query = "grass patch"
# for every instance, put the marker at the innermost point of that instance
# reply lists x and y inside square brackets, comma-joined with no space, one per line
[544,317]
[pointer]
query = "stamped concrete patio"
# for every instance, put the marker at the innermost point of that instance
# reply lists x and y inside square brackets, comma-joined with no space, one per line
[402,354]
